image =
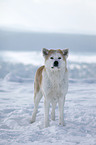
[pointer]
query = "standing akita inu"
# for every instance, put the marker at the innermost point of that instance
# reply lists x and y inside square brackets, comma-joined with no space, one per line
[51,81]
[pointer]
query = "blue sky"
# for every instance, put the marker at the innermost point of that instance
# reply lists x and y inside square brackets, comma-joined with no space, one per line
[63,16]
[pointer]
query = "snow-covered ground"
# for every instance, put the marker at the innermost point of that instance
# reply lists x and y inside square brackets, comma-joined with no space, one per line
[16,103]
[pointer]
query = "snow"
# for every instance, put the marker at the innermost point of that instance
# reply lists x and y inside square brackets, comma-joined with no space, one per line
[17,102]
[16,110]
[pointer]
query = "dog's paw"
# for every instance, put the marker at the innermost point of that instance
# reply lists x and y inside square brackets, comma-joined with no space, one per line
[32,121]
[62,124]
[46,125]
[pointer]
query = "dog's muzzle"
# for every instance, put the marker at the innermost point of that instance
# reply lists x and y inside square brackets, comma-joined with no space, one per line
[56,63]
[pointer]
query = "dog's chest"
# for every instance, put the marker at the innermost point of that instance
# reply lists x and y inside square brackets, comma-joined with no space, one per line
[54,85]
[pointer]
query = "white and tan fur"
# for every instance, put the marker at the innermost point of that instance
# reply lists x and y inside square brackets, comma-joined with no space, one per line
[52,83]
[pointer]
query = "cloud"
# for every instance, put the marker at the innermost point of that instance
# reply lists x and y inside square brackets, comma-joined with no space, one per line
[72,16]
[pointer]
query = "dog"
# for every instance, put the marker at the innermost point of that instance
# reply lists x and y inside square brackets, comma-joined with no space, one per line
[51,81]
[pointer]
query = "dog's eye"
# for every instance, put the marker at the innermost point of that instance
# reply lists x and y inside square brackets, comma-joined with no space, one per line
[51,58]
[59,57]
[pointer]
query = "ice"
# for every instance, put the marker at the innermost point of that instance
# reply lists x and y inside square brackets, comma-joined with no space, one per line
[17,102]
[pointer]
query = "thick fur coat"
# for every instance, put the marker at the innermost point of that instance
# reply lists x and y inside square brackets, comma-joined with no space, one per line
[51,81]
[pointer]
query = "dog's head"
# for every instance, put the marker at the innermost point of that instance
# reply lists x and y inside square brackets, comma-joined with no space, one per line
[55,59]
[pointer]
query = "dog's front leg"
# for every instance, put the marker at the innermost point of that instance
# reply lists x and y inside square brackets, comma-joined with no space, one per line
[61,110]
[53,111]
[46,107]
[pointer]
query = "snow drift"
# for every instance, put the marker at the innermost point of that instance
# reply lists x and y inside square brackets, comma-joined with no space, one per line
[16,102]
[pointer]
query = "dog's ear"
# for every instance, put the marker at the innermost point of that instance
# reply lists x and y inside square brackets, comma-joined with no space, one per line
[45,52]
[65,52]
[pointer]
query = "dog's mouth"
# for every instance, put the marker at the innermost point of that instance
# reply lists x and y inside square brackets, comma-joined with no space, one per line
[55,67]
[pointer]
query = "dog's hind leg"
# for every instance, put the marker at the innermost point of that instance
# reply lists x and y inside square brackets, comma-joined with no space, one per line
[37,99]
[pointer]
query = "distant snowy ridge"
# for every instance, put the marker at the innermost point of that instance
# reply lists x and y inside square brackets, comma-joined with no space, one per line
[36,58]
[21,66]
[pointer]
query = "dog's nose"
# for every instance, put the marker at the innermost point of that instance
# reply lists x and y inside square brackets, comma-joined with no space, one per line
[56,63]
